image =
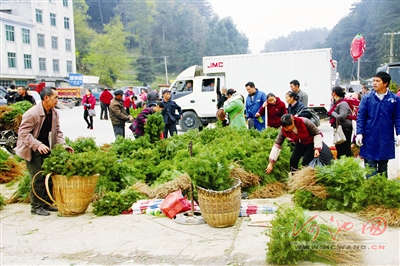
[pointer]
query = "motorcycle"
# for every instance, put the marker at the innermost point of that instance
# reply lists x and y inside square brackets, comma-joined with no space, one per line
[8,140]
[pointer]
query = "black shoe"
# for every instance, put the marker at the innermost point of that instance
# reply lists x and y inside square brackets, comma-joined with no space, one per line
[50,208]
[40,211]
[88,126]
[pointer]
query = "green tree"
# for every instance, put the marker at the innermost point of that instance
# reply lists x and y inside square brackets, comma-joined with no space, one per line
[223,38]
[298,40]
[144,71]
[108,57]
[84,36]
[372,19]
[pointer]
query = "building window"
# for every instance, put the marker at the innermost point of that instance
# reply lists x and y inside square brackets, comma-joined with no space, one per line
[26,36]
[6,83]
[53,19]
[39,16]
[40,40]
[68,45]
[12,60]
[42,64]
[56,65]
[27,61]
[21,83]
[10,33]
[54,42]
[65,3]
[66,23]
[69,66]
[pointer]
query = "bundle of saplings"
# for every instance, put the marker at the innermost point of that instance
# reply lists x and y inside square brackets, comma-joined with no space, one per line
[156,165]
[334,188]
[380,197]
[10,168]
[11,115]
[296,237]
[23,191]
[2,202]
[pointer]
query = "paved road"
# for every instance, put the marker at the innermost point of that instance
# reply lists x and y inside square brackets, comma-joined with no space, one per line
[73,126]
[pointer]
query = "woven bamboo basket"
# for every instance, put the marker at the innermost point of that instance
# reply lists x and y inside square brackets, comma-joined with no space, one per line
[72,195]
[220,208]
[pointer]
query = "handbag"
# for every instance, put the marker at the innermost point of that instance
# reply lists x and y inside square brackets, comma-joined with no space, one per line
[92,112]
[338,134]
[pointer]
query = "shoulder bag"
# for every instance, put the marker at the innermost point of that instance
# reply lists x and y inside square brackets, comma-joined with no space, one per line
[338,134]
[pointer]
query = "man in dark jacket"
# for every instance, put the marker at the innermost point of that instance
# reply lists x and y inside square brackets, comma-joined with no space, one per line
[118,114]
[169,114]
[24,96]
[152,97]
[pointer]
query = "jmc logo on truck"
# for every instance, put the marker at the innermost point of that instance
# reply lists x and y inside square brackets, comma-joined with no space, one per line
[214,65]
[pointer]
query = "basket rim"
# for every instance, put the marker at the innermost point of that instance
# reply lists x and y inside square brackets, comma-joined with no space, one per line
[237,183]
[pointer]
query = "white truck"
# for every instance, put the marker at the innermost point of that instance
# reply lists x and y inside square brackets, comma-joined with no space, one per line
[271,72]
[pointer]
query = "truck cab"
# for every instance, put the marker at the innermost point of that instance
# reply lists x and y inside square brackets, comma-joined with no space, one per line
[197,95]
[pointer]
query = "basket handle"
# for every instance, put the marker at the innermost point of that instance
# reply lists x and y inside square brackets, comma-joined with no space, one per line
[46,182]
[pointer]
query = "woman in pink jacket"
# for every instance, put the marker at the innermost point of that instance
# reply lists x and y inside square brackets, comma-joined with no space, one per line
[89,102]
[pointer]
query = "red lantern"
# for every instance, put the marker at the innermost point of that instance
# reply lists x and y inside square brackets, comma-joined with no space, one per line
[357,47]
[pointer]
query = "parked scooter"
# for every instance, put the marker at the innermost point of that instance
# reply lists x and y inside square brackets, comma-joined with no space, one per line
[8,140]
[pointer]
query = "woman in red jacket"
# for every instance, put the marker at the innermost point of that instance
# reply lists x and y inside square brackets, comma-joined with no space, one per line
[307,139]
[88,102]
[275,110]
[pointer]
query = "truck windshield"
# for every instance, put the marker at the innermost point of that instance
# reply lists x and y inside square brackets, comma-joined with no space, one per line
[394,72]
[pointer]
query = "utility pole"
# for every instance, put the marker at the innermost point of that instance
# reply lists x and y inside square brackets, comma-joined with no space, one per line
[166,69]
[391,54]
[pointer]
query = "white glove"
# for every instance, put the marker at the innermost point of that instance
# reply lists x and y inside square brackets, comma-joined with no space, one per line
[359,140]
[398,141]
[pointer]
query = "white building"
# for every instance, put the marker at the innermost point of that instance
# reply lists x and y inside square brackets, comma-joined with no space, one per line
[36,41]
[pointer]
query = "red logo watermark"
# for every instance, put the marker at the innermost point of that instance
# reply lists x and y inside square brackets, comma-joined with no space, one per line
[375,227]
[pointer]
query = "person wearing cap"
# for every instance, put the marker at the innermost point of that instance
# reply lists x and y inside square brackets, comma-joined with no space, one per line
[138,124]
[171,118]
[234,106]
[88,102]
[118,114]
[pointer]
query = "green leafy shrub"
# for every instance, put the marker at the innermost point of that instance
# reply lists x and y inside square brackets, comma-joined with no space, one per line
[18,108]
[307,200]
[378,190]
[113,203]
[341,180]
[22,194]
[83,144]
[2,202]
[62,162]
[293,227]
[154,126]
[4,157]
[209,170]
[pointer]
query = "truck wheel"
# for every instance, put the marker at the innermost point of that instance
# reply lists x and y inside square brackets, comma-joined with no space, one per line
[189,121]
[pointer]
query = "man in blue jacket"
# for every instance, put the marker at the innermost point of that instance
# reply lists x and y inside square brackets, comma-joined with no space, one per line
[171,118]
[254,101]
[378,116]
